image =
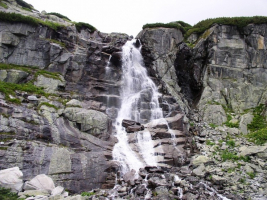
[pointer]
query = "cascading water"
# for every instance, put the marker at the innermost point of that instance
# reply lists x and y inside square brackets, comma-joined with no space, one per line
[139,103]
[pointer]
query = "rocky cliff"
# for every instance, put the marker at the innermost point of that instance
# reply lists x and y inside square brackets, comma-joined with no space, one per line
[59,123]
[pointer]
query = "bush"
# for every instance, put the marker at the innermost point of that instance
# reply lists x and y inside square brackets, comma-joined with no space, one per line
[59,15]
[240,22]
[24,4]
[168,25]
[82,25]
[6,194]
[87,193]
[18,18]
[227,155]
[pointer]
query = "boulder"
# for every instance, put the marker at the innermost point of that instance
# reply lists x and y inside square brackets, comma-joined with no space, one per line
[132,126]
[13,76]
[50,85]
[74,103]
[214,114]
[198,160]
[130,176]
[57,191]
[40,182]
[90,121]
[250,150]
[12,179]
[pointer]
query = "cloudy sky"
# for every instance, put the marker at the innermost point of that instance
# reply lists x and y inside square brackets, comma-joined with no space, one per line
[128,16]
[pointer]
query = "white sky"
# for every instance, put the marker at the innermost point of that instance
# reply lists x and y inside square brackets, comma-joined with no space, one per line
[128,16]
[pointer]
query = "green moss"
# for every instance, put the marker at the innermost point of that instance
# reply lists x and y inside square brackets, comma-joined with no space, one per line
[59,15]
[82,25]
[230,124]
[18,18]
[208,142]
[3,148]
[9,89]
[5,133]
[62,44]
[3,5]
[258,137]
[240,22]
[87,194]
[213,125]
[47,104]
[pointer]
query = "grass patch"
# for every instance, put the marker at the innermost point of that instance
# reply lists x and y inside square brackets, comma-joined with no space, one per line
[24,4]
[231,143]
[5,133]
[3,148]
[82,25]
[208,142]
[240,22]
[2,4]
[258,126]
[227,155]
[9,89]
[59,15]
[167,25]
[251,174]
[46,104]
[62,44]
[87,194]
[6,194]
[230,124]
[213,125]
[18,18]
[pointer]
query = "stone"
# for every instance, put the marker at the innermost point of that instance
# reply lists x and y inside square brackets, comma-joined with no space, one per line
[244,121]
[250,150]
[198,160]
[32,98]
[129,177]
[134,128]
[217,180]
[90,121]
[11,179]
[74,102]
[214,114]
[34,193]
[57,191]
[50,85]
[13,76]
[200,170]
[40,182]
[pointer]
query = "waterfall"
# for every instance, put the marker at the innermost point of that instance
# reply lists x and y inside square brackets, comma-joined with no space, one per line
[140,103]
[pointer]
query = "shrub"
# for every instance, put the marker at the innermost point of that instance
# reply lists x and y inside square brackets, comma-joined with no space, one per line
[18,18]
[82,25]
[208,142]
[231,143]
[240,22]
[258,137]
[6,194]
[58,15]
[48,105]
[24,4]
[227,155]
[168,25]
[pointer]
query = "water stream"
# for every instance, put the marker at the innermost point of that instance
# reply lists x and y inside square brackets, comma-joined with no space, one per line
[139,103]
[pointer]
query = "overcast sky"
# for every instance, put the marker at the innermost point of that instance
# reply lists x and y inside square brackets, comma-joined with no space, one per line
[128,16]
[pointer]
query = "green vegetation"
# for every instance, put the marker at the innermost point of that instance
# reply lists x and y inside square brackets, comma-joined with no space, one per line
[6,194]
[258,126]
[24,4]
[208,142]
[242,180]
[213,125]
[59,15]
[240,22]
[18,18]
[62,44]
[82,25]
[227,155]
[87,194]
[33,70]
[2,4]
[9,89]
[231,143]
[251,174]
[47,104]
[168,25]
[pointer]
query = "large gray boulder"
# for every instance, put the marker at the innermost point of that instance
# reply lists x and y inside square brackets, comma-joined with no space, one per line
[11,178]
[50,85]
[13,76]
[91,121]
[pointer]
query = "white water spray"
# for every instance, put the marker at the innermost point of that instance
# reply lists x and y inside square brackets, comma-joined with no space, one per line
[139,103]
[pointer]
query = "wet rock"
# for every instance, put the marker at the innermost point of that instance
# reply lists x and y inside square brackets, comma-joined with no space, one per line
[129,177]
